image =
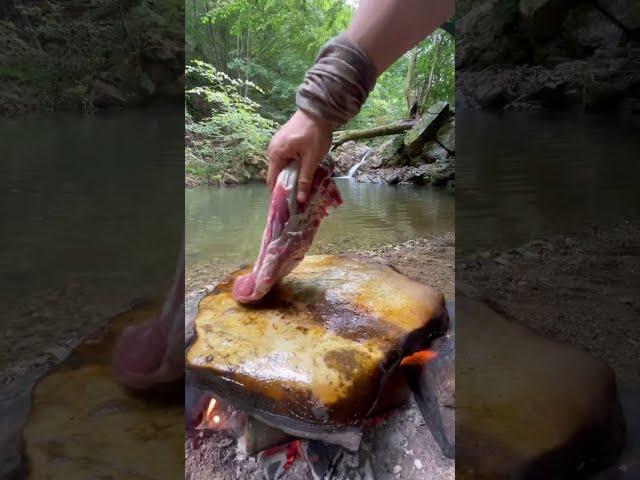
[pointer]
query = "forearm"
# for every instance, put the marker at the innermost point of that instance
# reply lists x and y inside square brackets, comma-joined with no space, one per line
[385,29]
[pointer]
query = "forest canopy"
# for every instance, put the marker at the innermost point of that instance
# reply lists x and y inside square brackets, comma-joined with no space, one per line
[246,59]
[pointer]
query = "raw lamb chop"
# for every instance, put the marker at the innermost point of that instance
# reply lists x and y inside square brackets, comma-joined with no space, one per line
[290,229]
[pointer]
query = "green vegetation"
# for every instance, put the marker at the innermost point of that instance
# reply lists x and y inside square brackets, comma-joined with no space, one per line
[245,61]
[54,53]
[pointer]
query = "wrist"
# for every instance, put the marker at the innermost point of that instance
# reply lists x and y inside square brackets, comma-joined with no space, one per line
[316,119]
[337,85]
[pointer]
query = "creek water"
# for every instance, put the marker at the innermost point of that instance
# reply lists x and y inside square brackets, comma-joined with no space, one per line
[86,202]
[523,176]
[224,225]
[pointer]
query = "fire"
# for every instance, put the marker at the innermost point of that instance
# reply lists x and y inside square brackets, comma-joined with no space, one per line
[419,358]
[208,417]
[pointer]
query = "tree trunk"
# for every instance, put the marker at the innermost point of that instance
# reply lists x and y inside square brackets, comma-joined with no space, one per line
[248,61]
[424,94]
[409,87]
[346,135]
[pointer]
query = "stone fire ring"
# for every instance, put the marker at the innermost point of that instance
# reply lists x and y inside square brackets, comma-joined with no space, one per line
[319,354]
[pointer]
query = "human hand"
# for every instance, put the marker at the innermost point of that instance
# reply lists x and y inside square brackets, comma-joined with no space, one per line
[303,138]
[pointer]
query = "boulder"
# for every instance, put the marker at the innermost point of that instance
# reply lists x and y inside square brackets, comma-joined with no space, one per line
[440,173]
[435,389]
[528,407]
[480,34]
[446,135]
[320,354]
[434,152]
[588,28]
[390,153]
[542,19]
[627,12]
[426,127]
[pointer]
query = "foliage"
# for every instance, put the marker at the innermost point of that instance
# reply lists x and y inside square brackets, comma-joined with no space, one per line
[228,145]
[266,46]
[53,51]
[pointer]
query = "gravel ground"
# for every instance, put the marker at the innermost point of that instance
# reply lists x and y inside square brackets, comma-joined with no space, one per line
[583,290]
[428,260]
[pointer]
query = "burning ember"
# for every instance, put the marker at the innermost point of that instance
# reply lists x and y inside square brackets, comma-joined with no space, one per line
[419,358]
[209,420]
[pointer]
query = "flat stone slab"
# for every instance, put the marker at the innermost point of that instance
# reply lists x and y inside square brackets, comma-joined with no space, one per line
[322,348]
[526,406]
[83,424]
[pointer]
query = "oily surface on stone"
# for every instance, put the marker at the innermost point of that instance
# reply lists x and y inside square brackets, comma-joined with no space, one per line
[528,407]
[83,424]
[321,346]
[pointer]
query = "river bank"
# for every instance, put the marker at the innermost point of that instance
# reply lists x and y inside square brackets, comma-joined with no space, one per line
[423,153]
[580,289]
[430,260]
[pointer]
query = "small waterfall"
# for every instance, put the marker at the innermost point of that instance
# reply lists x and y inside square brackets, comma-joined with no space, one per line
[354,169]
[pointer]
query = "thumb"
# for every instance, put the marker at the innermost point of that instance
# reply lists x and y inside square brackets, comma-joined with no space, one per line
[305,178]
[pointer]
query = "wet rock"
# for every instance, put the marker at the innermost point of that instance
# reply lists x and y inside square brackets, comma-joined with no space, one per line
[349,154]
[627,12]
[324,344]
[489,94]
[425,128]
[446,135]
[528,407]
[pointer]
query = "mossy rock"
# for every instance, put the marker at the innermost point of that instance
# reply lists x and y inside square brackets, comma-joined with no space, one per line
[426,127]
[446,135]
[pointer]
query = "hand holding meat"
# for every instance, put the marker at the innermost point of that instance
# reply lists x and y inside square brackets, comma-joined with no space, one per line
[291,227]
[303,138]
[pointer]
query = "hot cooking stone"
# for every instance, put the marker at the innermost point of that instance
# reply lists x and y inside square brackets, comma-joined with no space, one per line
[320,353]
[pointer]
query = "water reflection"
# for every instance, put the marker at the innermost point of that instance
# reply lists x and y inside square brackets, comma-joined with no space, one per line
[226,224]
[522,176]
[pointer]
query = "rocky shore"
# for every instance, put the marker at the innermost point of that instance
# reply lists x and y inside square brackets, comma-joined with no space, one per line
[547,54]
[577,289]
[423,155]
[429,260]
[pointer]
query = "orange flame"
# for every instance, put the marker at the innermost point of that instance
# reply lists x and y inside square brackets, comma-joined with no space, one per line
[208,416]
[419,358]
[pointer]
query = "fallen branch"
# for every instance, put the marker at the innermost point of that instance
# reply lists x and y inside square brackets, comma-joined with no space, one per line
[346,135]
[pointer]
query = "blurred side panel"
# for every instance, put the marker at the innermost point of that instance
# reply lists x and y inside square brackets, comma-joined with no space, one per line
[92,218]
[548,240]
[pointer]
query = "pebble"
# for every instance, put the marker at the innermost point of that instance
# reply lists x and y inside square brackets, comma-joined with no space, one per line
[418,464]
[397,469]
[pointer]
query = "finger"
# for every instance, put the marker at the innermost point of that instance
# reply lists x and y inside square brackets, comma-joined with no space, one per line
[305,178]
[276,164]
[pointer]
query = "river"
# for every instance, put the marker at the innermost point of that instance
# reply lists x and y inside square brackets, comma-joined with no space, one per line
[523,176]
[224,225]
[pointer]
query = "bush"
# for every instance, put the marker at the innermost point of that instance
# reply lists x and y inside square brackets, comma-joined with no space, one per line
[227,146]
